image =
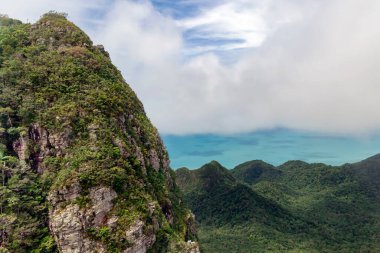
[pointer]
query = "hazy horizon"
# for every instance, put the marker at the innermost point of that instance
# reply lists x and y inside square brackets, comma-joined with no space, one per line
[272,146]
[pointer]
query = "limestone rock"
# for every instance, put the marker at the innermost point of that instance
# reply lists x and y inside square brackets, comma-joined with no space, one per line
[192,247]
[69,222]
[140,241]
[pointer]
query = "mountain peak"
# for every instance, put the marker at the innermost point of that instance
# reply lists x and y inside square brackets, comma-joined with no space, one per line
[253,171]
[77,140]
[55,30]
[215,174]
[293,163]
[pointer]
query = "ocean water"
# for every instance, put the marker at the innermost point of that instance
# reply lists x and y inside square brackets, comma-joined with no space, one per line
[275,147]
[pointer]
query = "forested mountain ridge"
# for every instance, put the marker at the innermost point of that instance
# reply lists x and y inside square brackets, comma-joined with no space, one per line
[82,167]
[308,207]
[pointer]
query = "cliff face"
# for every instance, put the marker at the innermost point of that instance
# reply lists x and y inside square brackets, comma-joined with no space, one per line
[75,139]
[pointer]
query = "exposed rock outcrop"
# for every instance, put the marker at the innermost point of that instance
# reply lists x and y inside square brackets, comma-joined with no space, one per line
[69,221]
[140,241]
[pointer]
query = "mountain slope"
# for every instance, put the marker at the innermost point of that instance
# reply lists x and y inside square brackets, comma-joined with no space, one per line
[368,173]
[320,208]
[334,198]
[234,218]
[83,169]
[216,196]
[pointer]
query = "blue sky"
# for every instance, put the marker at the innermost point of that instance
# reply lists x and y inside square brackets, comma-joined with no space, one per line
[233,71]
[179,9]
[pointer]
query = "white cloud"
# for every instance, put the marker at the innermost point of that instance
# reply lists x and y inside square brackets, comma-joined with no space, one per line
[137,35]
[314,64]
[229,21]
[244,23]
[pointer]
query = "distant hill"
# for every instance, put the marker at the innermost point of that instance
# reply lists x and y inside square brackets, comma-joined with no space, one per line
[255,171]
[218,198]
[295,207]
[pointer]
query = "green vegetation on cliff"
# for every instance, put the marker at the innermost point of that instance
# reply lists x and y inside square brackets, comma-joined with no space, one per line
[296,207]
[71,126]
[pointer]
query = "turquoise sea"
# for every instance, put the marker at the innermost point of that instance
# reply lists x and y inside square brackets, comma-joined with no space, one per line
[274,146]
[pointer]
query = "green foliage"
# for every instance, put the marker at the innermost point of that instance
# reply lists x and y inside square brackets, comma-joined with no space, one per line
[113,241]
[47,246]
[296,207]
[15,132]
[6,21]
[82,201]
[55,15]
[162,241]
[53,78]
[24,210]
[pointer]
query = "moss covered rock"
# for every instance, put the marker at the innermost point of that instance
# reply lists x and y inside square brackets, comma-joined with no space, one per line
[76,140]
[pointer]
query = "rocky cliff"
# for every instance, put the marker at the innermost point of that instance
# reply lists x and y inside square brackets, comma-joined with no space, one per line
[83,169]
